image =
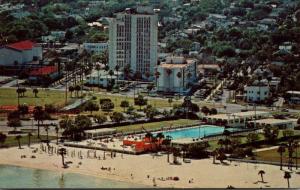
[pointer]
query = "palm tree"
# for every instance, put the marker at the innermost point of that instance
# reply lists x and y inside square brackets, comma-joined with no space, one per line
[35,91]
[189,75]
[19,91]
[18,138]
[179,75]
[221,155]
[296,146]
[117,68]
[281,150]
[77,89]
[98,68]
[287,176]
[14,122]
[39,115]
[261,173]
[157,74]
[29,138]
[167,143]
[56,131]
[290,147]
[147,75]
[62,152]
[127,71]
[71,89]
[106,68]
[104,58]
[169,72]
[111,74]
[47,131]
[221,142]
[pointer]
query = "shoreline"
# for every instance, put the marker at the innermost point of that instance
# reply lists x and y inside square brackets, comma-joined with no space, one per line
[141,169]
[70,172]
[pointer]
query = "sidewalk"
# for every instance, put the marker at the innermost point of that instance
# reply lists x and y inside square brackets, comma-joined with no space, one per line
[264,149]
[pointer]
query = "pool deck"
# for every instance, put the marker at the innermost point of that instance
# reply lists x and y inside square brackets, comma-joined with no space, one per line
[112,146]
[115,144]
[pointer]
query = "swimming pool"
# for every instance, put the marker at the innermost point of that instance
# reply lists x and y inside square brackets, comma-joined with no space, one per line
[197,132]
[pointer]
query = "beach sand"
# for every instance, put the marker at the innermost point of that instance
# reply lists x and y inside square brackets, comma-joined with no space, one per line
[204,173]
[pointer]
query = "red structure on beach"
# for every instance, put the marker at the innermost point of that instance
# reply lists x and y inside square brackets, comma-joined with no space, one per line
[143,145]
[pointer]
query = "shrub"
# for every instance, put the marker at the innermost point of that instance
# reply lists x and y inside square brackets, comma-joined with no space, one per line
[117,117]
[100,118]
[102,100]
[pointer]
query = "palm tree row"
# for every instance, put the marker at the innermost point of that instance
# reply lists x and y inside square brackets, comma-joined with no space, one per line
[292,147]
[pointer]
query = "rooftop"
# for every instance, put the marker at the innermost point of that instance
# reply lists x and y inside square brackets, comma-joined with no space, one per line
[103,130]
[273,121]
[43,70]
[239,114]
[176,62]
[293,92]
[23,45]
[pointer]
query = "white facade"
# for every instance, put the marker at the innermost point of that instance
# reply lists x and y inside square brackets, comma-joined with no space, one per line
[95,47]
[102,78]
[10,56]
[133,40]
[169,81]
[257,93]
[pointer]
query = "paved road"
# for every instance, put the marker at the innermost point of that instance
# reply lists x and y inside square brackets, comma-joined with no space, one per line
[13,83]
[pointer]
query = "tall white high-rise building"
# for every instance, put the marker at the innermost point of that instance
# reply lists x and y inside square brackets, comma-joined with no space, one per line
[133,40]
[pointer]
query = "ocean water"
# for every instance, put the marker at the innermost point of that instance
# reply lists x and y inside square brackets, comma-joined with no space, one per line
[19,177]
[196,132]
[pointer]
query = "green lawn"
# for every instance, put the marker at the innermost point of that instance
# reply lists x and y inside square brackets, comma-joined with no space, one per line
[274,156]
[158,103]
[11,140]
[155,125]
[214,143]
[9,97]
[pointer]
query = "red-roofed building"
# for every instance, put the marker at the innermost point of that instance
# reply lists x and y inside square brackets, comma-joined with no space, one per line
[40,75]
[20,53]
[47,70]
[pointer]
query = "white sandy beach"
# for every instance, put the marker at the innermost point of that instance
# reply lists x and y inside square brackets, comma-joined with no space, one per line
[203,172]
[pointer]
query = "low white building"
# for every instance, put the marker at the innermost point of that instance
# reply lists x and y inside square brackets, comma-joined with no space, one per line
[176,74]
[95,47]
[20,53]
[256,92]
[239,119]
[294,97]
[102,78]
[95,133]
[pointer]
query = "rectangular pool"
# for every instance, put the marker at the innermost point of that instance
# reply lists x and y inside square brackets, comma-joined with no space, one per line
[197,132]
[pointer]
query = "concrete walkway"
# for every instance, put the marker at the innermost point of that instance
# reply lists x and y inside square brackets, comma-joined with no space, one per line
[215,90]
[264,149]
